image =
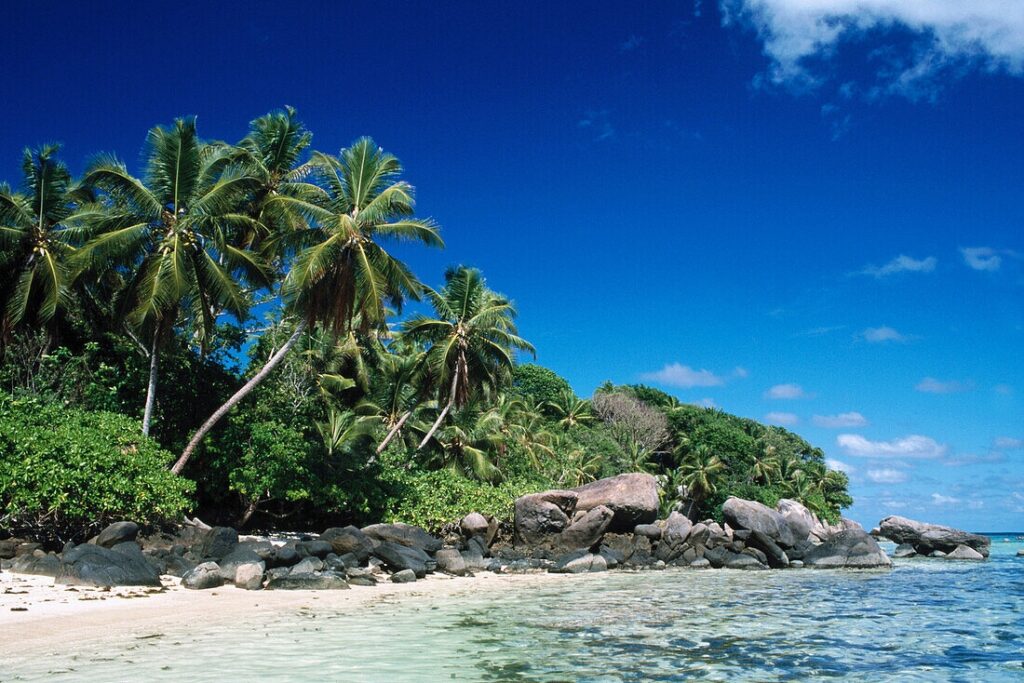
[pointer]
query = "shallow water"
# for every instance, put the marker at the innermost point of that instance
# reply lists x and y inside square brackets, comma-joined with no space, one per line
[926,620]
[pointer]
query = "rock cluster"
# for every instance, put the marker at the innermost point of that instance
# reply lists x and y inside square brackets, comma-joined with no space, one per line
[932,540]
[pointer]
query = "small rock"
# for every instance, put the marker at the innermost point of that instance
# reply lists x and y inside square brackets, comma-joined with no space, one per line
[701,563]
[964,552]
[474,524]
[249,576]
[308,566]
[118,532]
[404,576]
[206,575]
[579,562]
[450,561]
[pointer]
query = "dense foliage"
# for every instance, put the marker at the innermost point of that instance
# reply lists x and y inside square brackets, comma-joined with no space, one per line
[126,309]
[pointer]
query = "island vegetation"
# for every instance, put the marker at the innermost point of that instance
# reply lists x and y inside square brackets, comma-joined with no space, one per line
[224,335]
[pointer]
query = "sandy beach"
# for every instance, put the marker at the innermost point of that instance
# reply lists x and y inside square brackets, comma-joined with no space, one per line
[37,617]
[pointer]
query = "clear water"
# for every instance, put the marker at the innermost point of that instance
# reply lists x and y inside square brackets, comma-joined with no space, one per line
[924,621]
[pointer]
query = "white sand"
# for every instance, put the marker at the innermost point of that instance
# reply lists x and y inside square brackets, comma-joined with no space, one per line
[37,616]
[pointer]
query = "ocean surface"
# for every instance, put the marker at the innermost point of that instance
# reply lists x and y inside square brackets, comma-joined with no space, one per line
[926,620]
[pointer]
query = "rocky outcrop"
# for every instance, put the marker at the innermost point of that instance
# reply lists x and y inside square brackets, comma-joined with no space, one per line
[404,534]
[349,539]
[928,538]
[93,565]
[754,516]
[540,515]
[118,532]
[851,548]
[632,497]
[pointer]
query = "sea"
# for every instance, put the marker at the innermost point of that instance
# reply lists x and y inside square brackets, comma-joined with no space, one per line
[925,620]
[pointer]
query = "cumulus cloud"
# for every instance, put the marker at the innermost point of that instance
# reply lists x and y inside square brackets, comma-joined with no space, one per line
[939,499]
[782,418]
[841,421]
[981,258]
[930,385]
[740,372]
[1008,443]
[883,334]
[887,475]
[678,375]
[785,391]
[902,264]
[840,466]
[912,446]
[914,42]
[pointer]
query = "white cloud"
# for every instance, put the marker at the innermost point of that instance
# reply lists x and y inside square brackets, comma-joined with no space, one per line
[801,38]
[1008,443]
[684,376]
[981,258]
[912,446]
[894,504]
[785,391]
[880,335]
[840,466]
[939,499]
[740,372]
[887,475]
[930,385]
[902,264]
[781,418]
[841,421]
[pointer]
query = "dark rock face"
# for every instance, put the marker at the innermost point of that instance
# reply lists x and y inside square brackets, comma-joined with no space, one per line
[118,532]
[218,542]
[749,514]
[92,565]
[579,562]
[851,548]
[298,581]
[314,548]
[9,547]
[204,576]
[632,497]
[927,538]
[775,556]
[539,515]
[40,565]
[398,557]
[349,539]
[587,530]
[404,534]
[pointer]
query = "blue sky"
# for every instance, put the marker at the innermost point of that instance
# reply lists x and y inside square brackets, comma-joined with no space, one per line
[802,212]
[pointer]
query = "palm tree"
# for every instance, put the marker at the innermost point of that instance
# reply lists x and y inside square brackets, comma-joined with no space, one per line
[765,467]
[340,272]
[571,410]
[698,474]
[471,339]
[467,444]
[37,239]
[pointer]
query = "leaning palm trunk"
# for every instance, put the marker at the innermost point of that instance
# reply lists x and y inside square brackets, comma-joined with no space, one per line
[271,363]
[147,416]
[394,432]
[444,413]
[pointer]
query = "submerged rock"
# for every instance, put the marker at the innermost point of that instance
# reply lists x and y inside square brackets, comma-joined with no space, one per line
[964,552]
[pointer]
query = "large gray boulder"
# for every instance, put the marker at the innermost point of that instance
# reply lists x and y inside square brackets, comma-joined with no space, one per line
[118,532]
[241,555]
[852,548]
[474,524]
[217,542]
[93,565]
[632,497]
[249,576]
[676,530]
[41,564]
[349,539]
[539,515]
[404,534]
[774,555]
[450,561]
[749,514]
[927,538]
[587,530]
[802,522]
[204,576]
[398,557]
[580,562]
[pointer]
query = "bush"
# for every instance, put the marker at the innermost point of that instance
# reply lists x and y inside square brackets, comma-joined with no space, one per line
[65,473]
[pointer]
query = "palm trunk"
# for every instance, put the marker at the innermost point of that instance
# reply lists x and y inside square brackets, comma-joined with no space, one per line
[147,416]
[247,515]
[271,363]
[393,433]
[440,418]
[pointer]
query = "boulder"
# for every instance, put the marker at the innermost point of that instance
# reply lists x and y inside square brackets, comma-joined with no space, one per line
[404,534]
[612,558]
[632,497]
[9,547]
[241,555]
[316,548]
[450,561]
[904,550]
[676,530]
[318,582]
[349,540]
[579,562]
[249,576]
[927,538]
[308,565]
[700,563]
[749,514]
[118,532]
[539,515]
[217,542]
[404,576]
[748,559]
[398,557]
[964,552]
[851,548]
[474,524]
[651,531]
[774,556]
[43,564]
[206,575]
[802,522]
[93,565]
[587,530]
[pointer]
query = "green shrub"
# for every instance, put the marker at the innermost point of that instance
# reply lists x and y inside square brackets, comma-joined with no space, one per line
[66,472]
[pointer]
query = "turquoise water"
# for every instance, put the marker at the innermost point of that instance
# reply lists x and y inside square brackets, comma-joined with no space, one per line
[925,620]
